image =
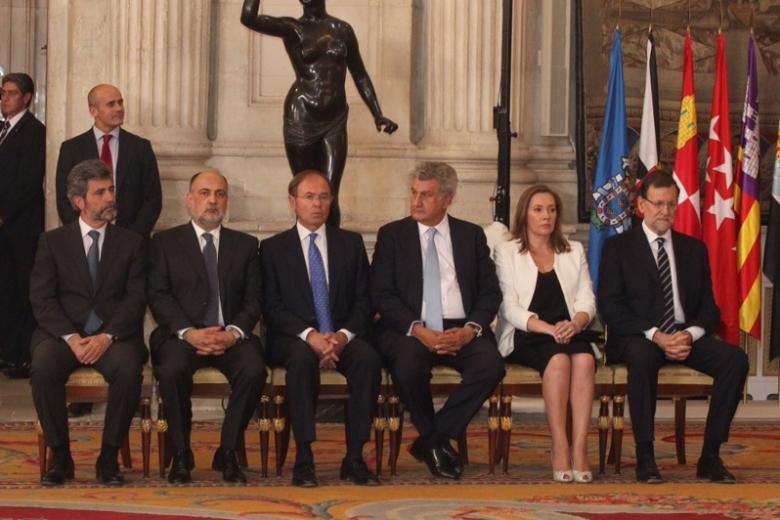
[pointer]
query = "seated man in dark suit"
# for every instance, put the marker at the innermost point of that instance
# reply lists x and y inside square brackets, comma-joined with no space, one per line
[204,292]
[87,292]
[316,305]
[655,295]
[435,287]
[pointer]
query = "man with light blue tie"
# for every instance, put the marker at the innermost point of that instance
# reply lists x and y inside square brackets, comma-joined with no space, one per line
[87,293]
[435,287]
[318,314]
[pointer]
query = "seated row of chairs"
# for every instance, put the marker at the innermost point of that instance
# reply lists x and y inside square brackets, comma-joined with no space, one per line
[675,381]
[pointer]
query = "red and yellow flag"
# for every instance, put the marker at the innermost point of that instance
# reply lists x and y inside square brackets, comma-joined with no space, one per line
[686,168]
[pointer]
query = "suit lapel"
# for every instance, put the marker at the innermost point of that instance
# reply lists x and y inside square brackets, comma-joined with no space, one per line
[412,252]
[76,250]
[646,254]
[88,145]
[335,261]
[297,264]
[17,128]
[125,154]
[108,252]
[191,249]
[460,254]
[680,269]
[224,265]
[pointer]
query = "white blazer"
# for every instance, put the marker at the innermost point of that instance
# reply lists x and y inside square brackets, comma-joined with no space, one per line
[517,274]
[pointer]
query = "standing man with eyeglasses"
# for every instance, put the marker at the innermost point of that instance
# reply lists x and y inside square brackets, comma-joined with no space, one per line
[22,169]
[129,157]
[655,295]
[316,306]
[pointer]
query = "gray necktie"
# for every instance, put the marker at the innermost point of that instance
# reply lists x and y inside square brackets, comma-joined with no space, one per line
[4,131]
[432,285]
[93,259]
[210,258]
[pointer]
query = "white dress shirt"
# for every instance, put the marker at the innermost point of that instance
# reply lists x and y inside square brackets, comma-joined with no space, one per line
[679,314]
[322,244]
[13,120]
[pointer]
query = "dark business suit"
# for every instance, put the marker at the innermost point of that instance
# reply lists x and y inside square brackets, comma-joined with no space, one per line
[22,169]
[631,301]
[137,185]
[397,295]
[178,298]
[62,296]
[288,307]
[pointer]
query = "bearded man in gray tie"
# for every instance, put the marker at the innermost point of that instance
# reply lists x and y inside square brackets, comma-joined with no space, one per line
[655,295]
[204,293]
[435,287]
[316,305]
[87,293]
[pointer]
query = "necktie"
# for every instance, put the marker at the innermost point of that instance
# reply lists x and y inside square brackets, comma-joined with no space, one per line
[210,258]
[4,131]
[105,153]
[666,324]
[93,259]
[319,287]
[432,285]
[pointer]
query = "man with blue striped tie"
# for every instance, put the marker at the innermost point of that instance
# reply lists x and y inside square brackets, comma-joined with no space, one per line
[87,293]
[316,307]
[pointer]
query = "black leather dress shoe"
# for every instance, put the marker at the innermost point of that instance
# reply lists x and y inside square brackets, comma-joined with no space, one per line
[712,468]
[79,409]
[438,463]
[304,476]
[59,471]
[454,457]
[180,469]
[358,473]
[225,460]
[107,471]
[20,371]
[647,471]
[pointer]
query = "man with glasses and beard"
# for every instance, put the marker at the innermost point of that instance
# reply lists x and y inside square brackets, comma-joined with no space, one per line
[87,293]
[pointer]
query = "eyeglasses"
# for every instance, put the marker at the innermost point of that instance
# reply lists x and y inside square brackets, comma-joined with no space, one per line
[322,197]
[658,204]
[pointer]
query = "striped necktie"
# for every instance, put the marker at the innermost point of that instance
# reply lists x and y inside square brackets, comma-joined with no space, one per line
[666,324]
[4,130]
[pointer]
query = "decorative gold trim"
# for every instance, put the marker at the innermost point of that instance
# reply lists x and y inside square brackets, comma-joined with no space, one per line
[619,399]
[279,424]
[162,425]
[393,399]
[605,399]
[617,423]
[380,423]
[39,427]
[394,423]
[146,425]
[603,422]
[506,423]
[492,423]
[264,425]
[380,399]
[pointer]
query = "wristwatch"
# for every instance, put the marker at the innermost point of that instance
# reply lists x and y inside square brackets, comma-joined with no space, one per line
[476,328]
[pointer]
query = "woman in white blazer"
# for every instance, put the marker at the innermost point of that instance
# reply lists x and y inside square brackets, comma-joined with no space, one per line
[548,302]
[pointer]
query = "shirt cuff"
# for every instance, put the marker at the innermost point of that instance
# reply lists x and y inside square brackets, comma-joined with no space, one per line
[415,322]
[237,329]
[305,333]
[181,332]
[350,335]
[649,333]
[476,326]
[696,333]
[66,337]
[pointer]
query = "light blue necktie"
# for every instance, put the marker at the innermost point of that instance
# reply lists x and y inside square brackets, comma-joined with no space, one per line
[93,259]
[432,285]
[319,286]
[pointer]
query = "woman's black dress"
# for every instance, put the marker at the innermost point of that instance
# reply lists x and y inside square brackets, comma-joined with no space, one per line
[534,349]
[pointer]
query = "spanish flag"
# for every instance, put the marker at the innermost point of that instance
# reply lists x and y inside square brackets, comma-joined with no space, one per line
[746,195]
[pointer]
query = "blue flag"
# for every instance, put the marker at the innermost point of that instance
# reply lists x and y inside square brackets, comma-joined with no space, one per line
[610,210]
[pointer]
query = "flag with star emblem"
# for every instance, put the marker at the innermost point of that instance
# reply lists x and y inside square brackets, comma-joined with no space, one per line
[610,205]
[772,252]
[746,196]
[719,226]
[686,166]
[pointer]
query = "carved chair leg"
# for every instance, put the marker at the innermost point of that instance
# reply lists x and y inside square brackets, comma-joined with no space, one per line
[279,427]
[380,425]
[124,451]
[162,437]
[603,431]
[492,432]
[42,451]
[679,428]
[506,427]
[264,425]
[394,432]
[617,431]
[146,434]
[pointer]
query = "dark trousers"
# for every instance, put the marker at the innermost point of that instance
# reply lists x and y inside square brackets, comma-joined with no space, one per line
[175,361]
[17,322]
[358,362]
[479,363]
[120,365]
[727,364]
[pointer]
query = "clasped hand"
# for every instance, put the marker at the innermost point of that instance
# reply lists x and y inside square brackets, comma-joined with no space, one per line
[210,341]
[676,346]
[89,349]
[446,343]
[327,346]
[563,331]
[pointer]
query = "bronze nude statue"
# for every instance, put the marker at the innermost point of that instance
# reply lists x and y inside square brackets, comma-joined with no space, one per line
[321,49]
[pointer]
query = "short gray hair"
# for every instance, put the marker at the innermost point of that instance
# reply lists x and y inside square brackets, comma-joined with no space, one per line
[81,174]
[439,171]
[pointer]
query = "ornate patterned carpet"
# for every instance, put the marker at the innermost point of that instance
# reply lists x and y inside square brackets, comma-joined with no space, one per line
[525,492]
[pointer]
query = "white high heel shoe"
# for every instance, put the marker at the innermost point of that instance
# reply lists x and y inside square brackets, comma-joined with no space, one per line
[565,477]
[582,477]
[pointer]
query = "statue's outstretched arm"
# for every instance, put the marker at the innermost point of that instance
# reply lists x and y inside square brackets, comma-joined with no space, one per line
[264,24]
[364,85]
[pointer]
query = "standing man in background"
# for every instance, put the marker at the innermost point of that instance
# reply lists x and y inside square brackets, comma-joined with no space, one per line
[22,169]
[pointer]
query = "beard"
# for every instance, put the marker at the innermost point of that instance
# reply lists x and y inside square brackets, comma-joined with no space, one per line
[106,214]
[210,218]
